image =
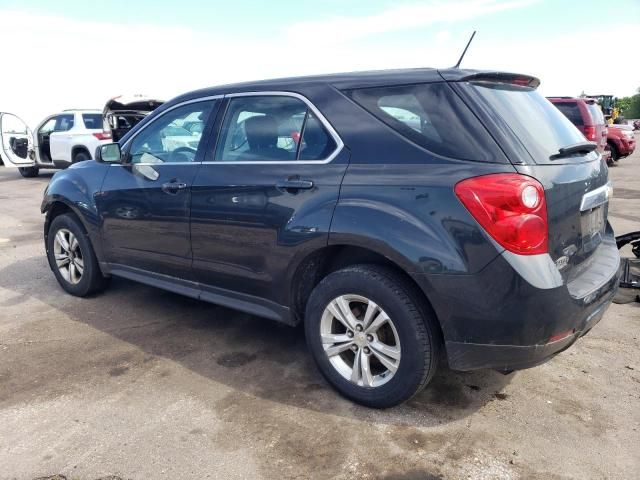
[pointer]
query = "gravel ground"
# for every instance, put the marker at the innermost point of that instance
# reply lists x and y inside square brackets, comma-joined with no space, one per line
[140,383]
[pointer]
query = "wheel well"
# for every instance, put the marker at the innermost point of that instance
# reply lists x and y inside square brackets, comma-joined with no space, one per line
[55,210]
[322,262]
[80,148]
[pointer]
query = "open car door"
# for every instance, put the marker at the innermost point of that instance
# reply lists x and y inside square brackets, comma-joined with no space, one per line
[16,141]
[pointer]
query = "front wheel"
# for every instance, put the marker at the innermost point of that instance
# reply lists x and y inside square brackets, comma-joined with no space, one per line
[371,336]
[72,258]
[615,155]
[29,172]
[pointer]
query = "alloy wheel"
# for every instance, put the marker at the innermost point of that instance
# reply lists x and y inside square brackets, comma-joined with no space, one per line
[68,256]
[360,340]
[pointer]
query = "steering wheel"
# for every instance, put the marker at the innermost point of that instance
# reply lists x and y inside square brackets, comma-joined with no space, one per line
[188,152]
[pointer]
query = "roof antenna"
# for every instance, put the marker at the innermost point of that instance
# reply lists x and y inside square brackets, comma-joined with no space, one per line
[457,65]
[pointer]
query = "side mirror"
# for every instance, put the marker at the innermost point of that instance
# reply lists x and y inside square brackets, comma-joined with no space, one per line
[109,153]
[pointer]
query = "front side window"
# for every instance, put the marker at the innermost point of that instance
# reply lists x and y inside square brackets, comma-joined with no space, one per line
[49,126]
[173,137]
[64,123]
[272,128]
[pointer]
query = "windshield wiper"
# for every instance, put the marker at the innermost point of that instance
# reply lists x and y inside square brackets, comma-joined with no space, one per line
[581,147]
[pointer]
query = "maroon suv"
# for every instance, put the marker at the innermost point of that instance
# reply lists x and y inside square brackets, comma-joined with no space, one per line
[585,114]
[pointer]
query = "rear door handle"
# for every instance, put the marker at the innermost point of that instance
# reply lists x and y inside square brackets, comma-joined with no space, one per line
[294,184]
[173,187]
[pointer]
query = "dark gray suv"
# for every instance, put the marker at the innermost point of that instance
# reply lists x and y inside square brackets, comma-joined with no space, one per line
[403,216]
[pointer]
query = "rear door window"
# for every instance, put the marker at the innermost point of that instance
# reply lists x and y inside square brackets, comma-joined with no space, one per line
[272,129]
[64,122]
[430,115]
[571,110]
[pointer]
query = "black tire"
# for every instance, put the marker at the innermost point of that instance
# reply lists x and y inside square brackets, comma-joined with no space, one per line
[91,280]
[415,326]
[81,156]
[29,172]
[615,155]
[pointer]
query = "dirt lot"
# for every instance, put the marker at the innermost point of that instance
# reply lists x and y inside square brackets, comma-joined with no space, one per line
[139,383]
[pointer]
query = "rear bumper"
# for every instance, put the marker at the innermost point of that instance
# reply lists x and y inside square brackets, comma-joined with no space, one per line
[470,356]
[502,319]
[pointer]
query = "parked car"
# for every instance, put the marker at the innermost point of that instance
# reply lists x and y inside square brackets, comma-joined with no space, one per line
[398,214]
[58,141]
[585,114]
[621,141]
[120,114]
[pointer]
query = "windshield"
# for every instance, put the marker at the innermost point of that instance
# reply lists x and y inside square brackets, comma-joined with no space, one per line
[540,126]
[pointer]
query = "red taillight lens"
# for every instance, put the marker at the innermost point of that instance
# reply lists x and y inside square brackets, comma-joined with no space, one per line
[102,135]
[511,208]
[590,132]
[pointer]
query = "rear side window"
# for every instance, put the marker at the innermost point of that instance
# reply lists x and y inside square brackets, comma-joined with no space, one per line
[92,121]
[596,113]
[571,110]
[430,115]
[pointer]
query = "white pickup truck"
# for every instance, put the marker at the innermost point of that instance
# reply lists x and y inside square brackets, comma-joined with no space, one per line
[58,141]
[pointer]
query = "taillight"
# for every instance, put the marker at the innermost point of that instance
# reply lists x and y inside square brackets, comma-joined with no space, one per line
[102,135]
[511,208]
[590,132]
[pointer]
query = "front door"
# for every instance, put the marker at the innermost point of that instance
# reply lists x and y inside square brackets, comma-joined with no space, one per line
[16,141]
[265,194]
[144,203]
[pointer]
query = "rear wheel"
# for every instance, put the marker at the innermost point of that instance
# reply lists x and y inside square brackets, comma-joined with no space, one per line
[81,156]
[370,336]
[28,172]
[72,258]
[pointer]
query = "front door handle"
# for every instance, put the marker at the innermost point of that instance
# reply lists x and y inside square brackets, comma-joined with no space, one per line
[173,187]
[294,184]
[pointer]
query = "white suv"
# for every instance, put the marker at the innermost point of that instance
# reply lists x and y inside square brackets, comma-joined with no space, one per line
[57,142]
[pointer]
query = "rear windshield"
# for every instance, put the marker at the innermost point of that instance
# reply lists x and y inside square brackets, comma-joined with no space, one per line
[540,126]
[571,110]
[92,121]
[430,115]
[596,113]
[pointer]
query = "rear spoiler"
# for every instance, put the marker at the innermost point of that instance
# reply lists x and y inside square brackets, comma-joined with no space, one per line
[502,77]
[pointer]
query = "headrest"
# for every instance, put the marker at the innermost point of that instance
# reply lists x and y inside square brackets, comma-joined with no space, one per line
[262,132]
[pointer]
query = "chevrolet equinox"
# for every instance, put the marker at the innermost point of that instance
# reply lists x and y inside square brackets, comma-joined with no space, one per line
[405,217]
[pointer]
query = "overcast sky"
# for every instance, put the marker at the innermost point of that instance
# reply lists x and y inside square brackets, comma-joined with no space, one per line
[78,54]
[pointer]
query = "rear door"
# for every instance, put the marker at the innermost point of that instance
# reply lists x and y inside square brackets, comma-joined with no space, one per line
[533,131]
[16,141]
[265,194]
[61,137]
[144,203]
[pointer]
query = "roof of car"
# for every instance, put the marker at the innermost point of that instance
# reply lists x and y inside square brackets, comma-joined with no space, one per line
[348,80]
[79,110]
